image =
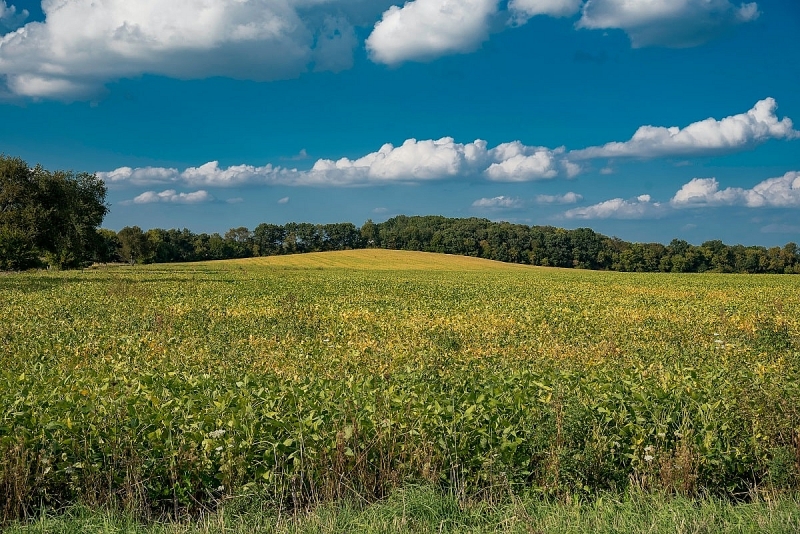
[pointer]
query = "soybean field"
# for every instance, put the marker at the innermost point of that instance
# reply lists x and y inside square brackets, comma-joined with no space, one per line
[342,375]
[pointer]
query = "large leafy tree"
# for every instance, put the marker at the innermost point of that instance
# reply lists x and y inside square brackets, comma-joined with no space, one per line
[48,215]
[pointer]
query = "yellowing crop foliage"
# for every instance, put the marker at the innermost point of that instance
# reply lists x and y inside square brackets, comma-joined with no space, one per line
[331,375]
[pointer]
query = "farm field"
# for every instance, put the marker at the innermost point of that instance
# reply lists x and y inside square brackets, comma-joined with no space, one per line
[348,375]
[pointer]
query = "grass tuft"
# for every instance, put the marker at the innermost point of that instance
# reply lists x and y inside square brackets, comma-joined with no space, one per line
[424,509]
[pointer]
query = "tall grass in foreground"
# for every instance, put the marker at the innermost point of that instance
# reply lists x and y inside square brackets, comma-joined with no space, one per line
[425,510]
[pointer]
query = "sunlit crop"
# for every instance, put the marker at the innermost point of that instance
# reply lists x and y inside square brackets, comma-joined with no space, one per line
[340,374]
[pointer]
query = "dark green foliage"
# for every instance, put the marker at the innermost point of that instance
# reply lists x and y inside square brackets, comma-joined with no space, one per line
[582,248]
[16,249]
[48,215]
[134,245]
[19,215]
[268,239]
[108,246]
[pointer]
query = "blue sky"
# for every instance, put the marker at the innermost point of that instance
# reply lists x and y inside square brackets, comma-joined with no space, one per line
[644,119]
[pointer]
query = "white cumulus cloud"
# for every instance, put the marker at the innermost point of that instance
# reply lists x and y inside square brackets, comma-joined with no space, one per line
[421,30]
[671,23]
[172,196]
[709,136]
[783,191]
[515,162]
[705,192]
[212,175]
[640,207]
[425,29]
[566,198]
[140,175]
[501,202]
[412,161]
[82,44]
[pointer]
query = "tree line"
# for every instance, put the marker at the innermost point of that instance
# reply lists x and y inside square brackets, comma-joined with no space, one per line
[53,219]
[582,248]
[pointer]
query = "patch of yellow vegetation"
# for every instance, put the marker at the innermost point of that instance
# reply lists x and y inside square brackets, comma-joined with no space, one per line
[376,260]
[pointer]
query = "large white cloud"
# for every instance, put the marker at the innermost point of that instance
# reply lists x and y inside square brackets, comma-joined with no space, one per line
[412,161]
[83,44]
[425,29]
[705,192]
[672,23]
[515,162]
[783,191]
[709,136]
[638,208]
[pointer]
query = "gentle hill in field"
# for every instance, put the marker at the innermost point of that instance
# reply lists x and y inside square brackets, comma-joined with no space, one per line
[377,260]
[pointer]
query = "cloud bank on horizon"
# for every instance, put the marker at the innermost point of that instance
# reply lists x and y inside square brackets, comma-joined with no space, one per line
[425,160]
[81,45]
[413,161]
